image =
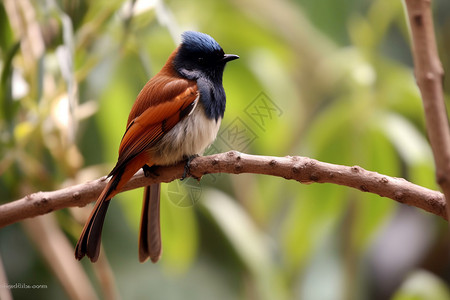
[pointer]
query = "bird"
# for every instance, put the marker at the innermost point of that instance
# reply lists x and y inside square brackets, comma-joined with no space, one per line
[174,118]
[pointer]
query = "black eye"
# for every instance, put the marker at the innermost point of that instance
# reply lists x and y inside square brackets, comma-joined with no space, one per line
[200,59]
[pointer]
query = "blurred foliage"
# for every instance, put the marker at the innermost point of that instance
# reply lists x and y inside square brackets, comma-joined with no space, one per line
[331,80]
[422,285]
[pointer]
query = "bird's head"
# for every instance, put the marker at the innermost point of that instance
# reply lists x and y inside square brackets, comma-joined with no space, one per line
[199,55]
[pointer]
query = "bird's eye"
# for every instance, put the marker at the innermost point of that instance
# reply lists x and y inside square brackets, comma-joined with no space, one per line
[200,60]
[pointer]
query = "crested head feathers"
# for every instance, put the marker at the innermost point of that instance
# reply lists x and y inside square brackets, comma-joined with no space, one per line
[199,42]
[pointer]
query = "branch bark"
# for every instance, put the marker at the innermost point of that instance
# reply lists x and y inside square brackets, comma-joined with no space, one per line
[429,74]
[302,169]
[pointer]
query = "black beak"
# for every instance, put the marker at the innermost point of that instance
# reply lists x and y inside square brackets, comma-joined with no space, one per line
[229,57]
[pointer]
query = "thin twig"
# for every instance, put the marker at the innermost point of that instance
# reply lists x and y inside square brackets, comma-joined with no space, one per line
[429,74]
[302,169]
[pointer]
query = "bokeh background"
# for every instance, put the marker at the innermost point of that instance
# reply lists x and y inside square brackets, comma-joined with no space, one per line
[332,80]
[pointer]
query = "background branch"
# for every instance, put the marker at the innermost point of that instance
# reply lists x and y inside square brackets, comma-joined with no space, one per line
[429,75]
[57,251]
[301,169]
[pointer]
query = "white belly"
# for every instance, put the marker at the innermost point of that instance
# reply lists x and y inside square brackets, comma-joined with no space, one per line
[189,137]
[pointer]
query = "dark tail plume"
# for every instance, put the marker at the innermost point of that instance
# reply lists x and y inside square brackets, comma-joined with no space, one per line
[150,232]
[89,242]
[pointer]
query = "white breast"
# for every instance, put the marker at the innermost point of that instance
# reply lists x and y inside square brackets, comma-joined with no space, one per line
[189,137]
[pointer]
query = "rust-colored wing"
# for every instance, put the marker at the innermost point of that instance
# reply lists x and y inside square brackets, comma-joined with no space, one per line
[165,86]
[149,126]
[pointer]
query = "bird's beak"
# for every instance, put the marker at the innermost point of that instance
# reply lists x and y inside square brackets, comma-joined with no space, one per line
[229,57]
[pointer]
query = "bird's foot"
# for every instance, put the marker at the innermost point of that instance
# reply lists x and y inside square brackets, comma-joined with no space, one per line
[150,171]
[187,167]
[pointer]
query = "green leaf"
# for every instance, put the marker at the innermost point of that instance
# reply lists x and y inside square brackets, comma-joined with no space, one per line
[310,219]
[7,103]
[412,147]
[422,285]
[6,34]
[250,244]
[371,211]
[179,233]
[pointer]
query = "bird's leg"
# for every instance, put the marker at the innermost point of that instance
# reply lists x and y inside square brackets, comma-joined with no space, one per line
[150,171]
[187,167]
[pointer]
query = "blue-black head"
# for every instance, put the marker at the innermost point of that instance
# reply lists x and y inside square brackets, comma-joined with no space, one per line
[199,55]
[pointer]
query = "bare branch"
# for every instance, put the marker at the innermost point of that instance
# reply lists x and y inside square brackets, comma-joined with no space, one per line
[429,74]
[302,169]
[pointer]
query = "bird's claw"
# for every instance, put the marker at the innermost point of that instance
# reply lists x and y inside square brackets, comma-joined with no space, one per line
[187,168]
[150,171]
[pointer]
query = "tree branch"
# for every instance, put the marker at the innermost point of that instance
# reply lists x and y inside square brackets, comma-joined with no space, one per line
[302,169]
[429,74]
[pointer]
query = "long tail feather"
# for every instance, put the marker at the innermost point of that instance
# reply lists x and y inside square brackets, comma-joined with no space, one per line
[89,241]
[150,230]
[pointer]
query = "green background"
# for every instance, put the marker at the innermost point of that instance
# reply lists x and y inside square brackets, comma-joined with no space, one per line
[331,80]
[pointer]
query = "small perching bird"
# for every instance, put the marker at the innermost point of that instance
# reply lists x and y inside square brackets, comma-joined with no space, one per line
[176,116]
